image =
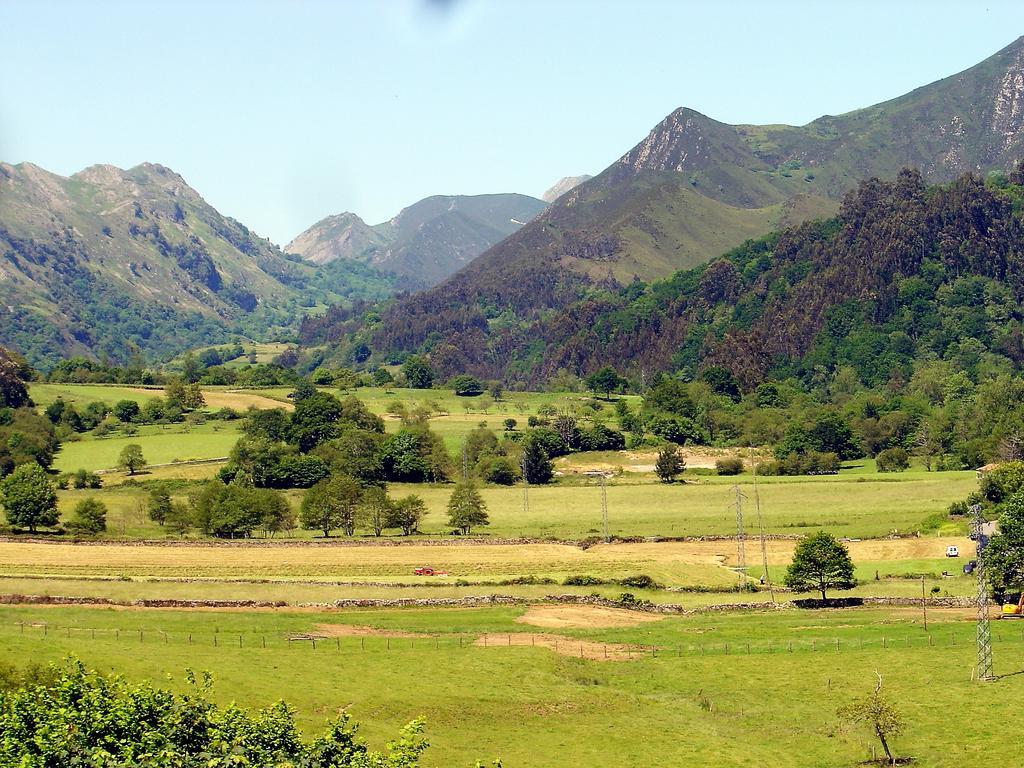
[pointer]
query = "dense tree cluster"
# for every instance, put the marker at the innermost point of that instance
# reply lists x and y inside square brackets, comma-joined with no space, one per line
[24,436]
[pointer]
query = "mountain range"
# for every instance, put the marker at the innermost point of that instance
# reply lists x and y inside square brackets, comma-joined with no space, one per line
[691,190]
[426,242]
[117,262]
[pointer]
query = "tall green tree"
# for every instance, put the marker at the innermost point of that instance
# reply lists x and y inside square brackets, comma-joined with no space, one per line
[131,458]
[159,505]
[604,381]
[820,562]
[535,465]
[375,509]
[466,508]
[1004,555]
[418,373]
[331,504]
[14,372]
[29,498]
[406,513]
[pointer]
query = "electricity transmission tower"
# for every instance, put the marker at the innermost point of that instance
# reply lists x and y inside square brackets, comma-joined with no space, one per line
[526,487]
[741,551]
[604,502]
[984,632]
[760,526]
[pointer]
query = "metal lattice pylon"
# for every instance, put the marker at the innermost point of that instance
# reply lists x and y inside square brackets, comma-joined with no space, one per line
[741,551]
[984,631]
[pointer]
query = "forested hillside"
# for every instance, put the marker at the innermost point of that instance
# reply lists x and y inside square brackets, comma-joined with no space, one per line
[905,274]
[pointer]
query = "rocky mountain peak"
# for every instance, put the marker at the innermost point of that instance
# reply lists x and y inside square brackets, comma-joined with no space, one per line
[682,141]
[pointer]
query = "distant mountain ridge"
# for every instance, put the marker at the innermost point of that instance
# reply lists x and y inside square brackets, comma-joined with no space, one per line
[426,242]
[117,262]
[694,188]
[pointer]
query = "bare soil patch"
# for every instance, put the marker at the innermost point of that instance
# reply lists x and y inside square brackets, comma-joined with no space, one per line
[359,630]
[583,617]
[564,646]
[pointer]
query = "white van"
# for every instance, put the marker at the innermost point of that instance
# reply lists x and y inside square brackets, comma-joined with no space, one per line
[952,551]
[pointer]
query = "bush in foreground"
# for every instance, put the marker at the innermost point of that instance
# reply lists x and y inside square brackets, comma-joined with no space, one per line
[82,718]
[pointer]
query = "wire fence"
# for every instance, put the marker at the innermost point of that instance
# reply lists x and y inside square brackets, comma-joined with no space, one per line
[563,644]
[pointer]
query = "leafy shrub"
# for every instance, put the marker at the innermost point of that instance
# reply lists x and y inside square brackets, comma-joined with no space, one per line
[892,460]
[641,581]
[582,581]
[729,465]
[810,463]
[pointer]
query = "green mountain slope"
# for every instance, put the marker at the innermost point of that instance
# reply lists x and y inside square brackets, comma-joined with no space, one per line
[905,276]
[114,262]
[695,187]
[424,243]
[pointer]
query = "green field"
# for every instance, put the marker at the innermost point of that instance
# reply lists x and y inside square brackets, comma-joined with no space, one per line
[161,444]
[855,506]
[720,689]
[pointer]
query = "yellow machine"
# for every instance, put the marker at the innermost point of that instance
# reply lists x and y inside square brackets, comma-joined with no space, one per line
[1014,610]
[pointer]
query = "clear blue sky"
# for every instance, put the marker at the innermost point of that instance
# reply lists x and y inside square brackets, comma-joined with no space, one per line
[280,113]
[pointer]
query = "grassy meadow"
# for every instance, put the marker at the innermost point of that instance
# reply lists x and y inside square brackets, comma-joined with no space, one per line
[742,689]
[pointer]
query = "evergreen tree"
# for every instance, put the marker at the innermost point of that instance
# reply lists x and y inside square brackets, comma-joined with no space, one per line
[670,463]
[535,465]
[466,508]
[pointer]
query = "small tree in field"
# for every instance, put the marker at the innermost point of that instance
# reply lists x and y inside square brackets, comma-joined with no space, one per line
[406,514]
[28,497]
[90,516]
[159,505]
[466,508]
[376,509]
[131,458]
[670,463]
[878,714]
[820,562]
[604,381]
